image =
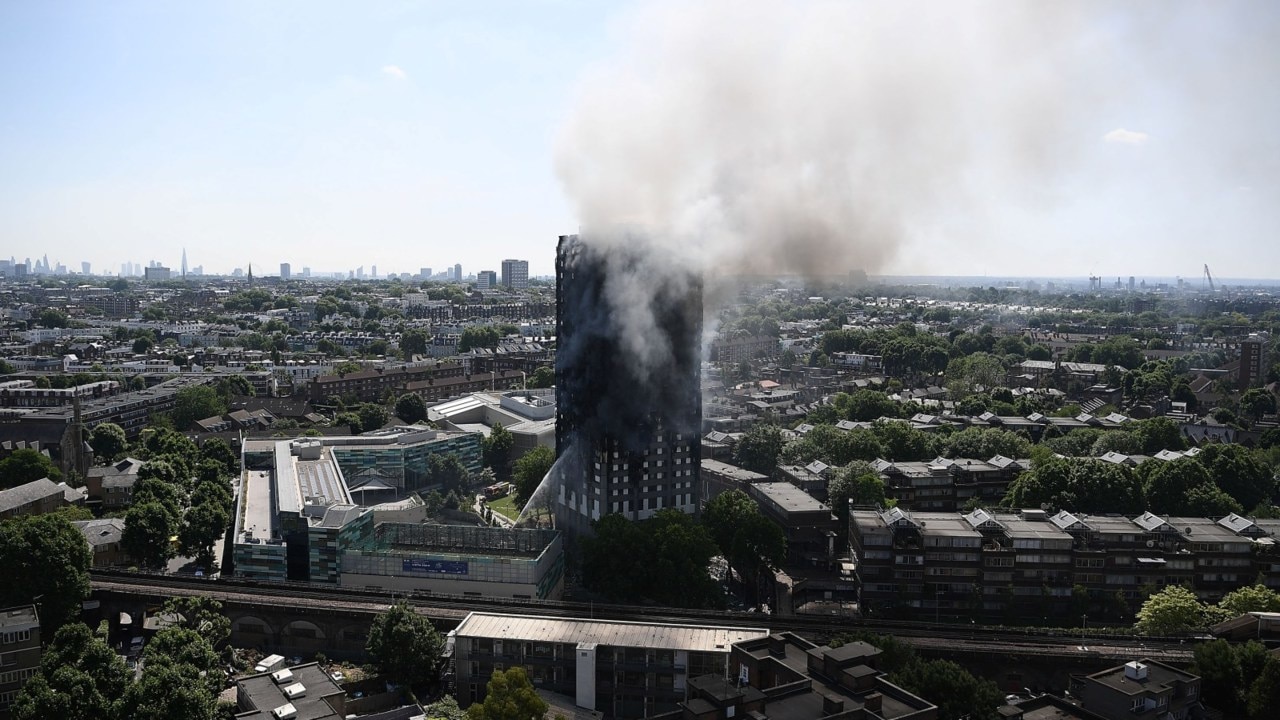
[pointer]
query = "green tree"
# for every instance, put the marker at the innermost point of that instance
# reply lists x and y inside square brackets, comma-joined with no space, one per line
[51,318]
[625,561]
[1238,472]
[759,449]
[218,451]
[80,678]
[496,450]
[26,465]
[749,541]
[543,377]
[413,342]
[855,484]
[1218,665]
[189,652]
[411,408]
[372,416]
[147,529]
[196,403]
[202,526]
[446,708]
[530,470]
[1255,598]
[1173,609]
[108,441]
[903,442]
[143,345]
[986,443]
[162,492]
[956,692]
[1264,692]
[478,336]
[1087,486]
[509,696]
[166,691]
[404,646]
[865,405]
[1256,402]
[202,615]
[46,557]
[1184,487]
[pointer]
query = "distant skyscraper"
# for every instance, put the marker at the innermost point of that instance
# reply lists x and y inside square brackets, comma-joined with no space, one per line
[424,273]
[373,272]
[627,429]
[486,280]
[457,272]
[184,262]
[515,274]
[286,272]
[85,268]
[306,272]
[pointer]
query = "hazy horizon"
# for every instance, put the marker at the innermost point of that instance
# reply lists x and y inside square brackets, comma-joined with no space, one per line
[918,139]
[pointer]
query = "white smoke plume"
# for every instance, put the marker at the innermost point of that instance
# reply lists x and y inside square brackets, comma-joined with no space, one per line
[820,137]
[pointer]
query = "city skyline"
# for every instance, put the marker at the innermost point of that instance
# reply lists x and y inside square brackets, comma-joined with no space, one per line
[411,136]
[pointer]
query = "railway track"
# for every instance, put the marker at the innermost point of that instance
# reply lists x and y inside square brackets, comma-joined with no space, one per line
[940,636]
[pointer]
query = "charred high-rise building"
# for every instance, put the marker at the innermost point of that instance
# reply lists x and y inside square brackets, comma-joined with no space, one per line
[628,402]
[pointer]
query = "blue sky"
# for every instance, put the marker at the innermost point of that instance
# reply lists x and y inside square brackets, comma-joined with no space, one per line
[406,135]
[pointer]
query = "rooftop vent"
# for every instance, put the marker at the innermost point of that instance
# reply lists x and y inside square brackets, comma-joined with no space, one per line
[295,691]
[285,712]
[1135,670]
[282,676]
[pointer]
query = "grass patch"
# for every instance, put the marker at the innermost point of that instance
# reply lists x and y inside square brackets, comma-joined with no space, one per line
[505,506]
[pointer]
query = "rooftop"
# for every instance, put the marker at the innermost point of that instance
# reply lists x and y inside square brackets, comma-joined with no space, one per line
[697,638]
[260,694]
[16,497]
[1159,677]
[23,617]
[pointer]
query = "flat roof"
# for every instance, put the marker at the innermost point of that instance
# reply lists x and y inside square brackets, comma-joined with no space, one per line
[697,638]
[1159,677]
[255,493]
[733,471]
[789,497]
[264,695]
[23,617]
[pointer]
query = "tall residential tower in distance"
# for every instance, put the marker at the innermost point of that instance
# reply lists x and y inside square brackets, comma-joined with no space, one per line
[515,274]
[628,400]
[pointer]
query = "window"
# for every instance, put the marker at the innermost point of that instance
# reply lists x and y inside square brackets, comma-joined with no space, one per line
[1138,705]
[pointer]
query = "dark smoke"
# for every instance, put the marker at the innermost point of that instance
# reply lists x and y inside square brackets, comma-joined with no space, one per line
[629,330]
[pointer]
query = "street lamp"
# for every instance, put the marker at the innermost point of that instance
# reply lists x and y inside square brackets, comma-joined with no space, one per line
[1084,625]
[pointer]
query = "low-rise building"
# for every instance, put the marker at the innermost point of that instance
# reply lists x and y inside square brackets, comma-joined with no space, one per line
[1141,689]
[112,485]
[301,692]
[621,669]
[34,498]
[19,651]
[103,536]
[785,676]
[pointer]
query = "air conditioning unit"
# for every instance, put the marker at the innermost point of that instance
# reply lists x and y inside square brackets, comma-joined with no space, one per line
[285,712]
[282,676]
[295,691]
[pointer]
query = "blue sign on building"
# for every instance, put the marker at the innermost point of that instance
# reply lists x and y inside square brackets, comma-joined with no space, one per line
[447,567]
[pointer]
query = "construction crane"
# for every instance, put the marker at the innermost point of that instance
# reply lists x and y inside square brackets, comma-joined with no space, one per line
[1209,276]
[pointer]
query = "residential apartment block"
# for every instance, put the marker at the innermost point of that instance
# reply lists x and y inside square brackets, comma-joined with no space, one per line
[1027,565]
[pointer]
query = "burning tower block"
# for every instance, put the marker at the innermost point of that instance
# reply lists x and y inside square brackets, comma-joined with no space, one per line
[628,402]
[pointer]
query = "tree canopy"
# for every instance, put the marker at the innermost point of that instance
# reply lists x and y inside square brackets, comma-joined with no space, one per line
[663,559]
[46,557]
[26,465]
[405,647]
[196,403]
[509,696]
[760,448]
[529,471]
[749,541]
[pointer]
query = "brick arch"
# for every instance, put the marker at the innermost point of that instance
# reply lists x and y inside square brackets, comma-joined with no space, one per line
[246,626]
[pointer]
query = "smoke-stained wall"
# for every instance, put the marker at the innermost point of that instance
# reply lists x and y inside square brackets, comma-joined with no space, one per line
[628,403]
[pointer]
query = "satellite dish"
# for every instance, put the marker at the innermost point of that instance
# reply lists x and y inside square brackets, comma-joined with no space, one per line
[1188,530]
[1151,543]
